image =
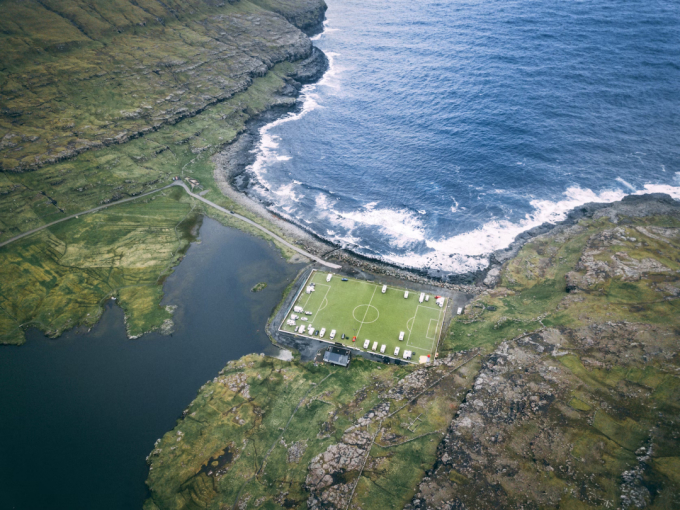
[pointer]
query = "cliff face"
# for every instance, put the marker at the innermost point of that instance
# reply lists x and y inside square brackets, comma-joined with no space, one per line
[83,74]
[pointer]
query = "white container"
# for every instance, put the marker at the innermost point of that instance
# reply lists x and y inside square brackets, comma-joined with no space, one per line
[384,289]
[422,297]
[460,310]
[427,297]
[406,295]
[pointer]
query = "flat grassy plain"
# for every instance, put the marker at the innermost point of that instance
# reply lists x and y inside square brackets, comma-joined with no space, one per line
[359,308]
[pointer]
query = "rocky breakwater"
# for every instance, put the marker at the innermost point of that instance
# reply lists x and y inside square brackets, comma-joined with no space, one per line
[155,66]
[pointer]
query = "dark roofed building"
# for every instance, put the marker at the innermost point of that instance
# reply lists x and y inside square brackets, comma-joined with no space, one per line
[337,356]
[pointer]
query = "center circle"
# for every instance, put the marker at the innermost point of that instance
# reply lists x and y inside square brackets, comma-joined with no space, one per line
[366,314]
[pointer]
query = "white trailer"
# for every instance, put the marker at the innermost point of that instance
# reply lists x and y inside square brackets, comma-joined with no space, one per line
[322,332]
[396,351]
[332,334]
[384,289]
[406,295]
[422,297]
[298,309]
[328,277]
[366,343]
[375,346]
[460,310]
[401,336]
[382,348]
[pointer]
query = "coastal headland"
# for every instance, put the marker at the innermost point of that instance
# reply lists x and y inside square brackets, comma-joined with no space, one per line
[556,387]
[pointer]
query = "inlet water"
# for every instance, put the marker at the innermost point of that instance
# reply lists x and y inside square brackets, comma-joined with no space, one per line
[445,128]
[80,413]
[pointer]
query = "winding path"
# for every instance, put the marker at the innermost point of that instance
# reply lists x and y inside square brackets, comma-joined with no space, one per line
[197,197]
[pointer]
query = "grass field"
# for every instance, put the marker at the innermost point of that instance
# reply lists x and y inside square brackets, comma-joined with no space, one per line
[359,309]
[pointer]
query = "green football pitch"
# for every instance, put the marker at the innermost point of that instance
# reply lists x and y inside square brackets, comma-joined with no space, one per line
[360,309]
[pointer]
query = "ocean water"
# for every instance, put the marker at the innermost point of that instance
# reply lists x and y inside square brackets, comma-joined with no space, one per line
[445,128]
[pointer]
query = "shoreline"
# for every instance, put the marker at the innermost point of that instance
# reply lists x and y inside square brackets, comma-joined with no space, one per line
[230,174]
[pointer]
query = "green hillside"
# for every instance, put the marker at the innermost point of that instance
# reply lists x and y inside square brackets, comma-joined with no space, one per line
[108,100]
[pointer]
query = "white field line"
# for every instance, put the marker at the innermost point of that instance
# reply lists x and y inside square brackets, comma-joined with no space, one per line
[375,287]
[324,298]
[434,333]
[292,305]
[408,340]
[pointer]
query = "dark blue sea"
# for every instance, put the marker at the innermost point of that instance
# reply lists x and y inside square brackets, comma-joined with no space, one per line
[445,128]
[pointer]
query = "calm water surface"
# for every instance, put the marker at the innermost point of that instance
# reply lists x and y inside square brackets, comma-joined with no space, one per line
[79,414]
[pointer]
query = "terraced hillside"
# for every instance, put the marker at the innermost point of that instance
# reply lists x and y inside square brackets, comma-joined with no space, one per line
[108,100]
[568,399]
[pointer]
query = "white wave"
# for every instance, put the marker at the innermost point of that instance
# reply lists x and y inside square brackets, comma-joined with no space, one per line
[268,146]
[454,208]
[673,191]
[626,184]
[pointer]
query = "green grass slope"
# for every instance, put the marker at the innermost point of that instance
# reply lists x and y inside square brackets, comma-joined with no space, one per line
[80,74]
[203,69]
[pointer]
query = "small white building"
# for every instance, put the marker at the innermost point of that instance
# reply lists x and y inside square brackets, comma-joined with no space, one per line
[406,295]
[332,334]
[375,346]
[384,289]
[366,343]
[422,297]
[396,351]
[298,309]
[401,336]
[328,277]
[322,332]
[382,348]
